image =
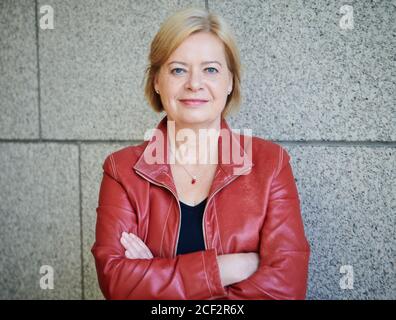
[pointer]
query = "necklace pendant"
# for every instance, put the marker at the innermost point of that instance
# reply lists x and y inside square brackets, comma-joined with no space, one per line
[194,179]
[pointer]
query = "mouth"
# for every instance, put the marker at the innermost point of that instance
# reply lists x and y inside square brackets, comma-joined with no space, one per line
[193,102]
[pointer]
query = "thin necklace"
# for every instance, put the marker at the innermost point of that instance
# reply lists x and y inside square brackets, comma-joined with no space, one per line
[193,177]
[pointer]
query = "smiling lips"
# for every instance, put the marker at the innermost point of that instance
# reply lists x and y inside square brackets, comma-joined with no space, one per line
[193,102]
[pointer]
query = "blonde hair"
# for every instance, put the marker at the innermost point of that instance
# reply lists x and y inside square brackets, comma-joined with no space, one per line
[173,32]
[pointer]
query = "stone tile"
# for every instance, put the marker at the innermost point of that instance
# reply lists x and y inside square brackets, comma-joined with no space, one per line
[348,201]
[92,67]
[40,221]
[19,116]
[305,78]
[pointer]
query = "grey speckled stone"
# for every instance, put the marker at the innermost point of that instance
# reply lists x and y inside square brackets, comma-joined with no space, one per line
[92,67]
[307,79]
[39,220]
[348,200]
[92,158]
[18,70]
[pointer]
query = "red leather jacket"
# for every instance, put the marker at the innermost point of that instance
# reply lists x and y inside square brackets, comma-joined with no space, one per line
[257,210]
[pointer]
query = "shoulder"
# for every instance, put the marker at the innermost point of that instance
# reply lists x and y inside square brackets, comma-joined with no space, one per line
[268,153]
[123,158]
[130,154]
[267,146]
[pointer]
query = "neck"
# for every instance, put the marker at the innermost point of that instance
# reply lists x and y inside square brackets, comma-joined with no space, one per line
[193,144]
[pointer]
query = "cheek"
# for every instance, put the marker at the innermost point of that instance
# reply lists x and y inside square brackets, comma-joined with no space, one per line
[172,104]
[218,84]
[173,88]
[219,90]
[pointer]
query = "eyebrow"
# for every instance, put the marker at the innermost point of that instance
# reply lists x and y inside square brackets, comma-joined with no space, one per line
[205,62]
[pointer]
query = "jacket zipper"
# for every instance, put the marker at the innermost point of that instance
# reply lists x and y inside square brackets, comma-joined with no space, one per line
[178,204]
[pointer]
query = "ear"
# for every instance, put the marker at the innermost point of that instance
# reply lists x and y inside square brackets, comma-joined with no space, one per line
[156,85]
[230,86]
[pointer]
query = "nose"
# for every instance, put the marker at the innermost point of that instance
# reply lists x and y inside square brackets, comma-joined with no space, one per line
[194,81]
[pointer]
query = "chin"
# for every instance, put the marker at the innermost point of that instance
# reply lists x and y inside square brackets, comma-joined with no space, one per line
[199,118]
[195,118]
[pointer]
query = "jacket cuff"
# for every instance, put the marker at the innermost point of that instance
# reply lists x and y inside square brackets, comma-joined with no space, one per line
[212,271]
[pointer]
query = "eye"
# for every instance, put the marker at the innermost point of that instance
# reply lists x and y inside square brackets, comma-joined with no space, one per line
[212,70]
[176,69]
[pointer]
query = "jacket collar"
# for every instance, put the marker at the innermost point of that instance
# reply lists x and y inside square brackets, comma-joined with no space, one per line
[227,170]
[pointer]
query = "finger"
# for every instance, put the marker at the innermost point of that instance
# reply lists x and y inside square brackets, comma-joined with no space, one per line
[142,245]
[128,255]
[139,241]
[138,250]
[129,246]
[134,240]
[125,243]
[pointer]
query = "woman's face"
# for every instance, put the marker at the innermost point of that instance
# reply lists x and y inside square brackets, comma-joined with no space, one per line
[197,69]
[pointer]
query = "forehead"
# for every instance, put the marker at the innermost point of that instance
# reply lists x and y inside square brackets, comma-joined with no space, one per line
[202,46]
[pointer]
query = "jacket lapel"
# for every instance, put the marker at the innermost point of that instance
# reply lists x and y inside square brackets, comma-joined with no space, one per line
[233,158]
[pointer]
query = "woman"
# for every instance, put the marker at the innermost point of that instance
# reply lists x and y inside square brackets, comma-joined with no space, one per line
[174,224]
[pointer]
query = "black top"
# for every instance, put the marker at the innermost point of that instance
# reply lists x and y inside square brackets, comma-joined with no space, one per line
[191,233]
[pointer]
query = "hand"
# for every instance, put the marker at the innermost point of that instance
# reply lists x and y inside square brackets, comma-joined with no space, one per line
[235,267]
[252,263]
[135,248]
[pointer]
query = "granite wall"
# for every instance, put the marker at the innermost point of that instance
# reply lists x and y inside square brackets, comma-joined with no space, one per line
[321,85]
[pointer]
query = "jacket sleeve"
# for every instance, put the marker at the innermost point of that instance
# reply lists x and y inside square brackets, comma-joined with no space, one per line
[188,276]
[284,249]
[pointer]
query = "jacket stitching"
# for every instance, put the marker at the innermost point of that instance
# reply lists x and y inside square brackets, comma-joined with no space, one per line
[280,161]
[113,167]
[163,230]
[222,169]
[206,276]
[217,225]
[118,207]
[260,289]
[281,251]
